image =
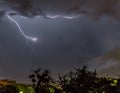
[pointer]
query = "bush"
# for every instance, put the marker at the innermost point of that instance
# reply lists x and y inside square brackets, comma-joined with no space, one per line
[9,89]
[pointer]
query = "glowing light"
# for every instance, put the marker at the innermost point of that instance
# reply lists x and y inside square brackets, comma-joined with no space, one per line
[34,39]
[60,16]
[69,17]
[52,17]
[21,92]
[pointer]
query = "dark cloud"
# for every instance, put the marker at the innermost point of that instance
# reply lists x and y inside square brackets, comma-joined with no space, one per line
[21,7]
[2,13]
[62,43]
[94,8]
[97,8]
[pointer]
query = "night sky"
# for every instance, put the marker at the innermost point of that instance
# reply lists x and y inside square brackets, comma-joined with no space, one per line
[71,33]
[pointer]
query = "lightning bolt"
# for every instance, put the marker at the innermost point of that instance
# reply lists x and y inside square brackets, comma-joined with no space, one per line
[60,16]
[34,39]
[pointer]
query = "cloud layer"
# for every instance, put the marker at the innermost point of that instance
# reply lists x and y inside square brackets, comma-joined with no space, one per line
[20,7]
[31,8]
[98,8]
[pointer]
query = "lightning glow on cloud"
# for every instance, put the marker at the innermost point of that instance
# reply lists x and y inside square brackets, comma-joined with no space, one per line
[34,39]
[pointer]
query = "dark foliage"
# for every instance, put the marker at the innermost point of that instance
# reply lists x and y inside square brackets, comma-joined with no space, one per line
[42,81]
[9,89]
[80,80]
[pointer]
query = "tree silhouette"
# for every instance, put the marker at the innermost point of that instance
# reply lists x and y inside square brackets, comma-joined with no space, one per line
[80,80]
[42,81]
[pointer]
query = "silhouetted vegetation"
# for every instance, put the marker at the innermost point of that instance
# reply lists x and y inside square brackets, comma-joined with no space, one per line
[42,81]
[80,80]
[8,89]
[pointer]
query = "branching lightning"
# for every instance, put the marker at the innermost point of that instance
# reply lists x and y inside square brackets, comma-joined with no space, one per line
[34,39]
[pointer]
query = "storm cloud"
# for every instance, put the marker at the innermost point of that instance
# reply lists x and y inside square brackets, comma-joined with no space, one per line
[97,8]
[92,8]
[62,44]
[20,7]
